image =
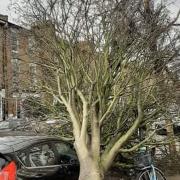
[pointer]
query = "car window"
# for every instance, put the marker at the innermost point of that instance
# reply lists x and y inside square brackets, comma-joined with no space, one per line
[38,155]
[41,155]
[23,157]
[66,154]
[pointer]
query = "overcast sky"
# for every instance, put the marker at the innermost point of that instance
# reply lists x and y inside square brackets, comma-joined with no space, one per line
[4,8]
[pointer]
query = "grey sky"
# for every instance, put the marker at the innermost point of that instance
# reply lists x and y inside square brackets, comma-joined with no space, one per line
[174,7]
[3,6]
[4,9]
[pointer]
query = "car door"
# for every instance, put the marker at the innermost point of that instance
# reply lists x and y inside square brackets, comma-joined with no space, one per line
[67,158]
[39,162]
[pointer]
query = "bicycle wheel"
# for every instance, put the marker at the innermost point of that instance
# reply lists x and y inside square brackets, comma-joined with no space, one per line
[146,175]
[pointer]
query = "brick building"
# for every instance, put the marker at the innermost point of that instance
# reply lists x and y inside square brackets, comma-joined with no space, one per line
[15,68]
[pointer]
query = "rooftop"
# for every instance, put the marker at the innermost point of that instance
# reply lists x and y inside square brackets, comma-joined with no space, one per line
[4,21]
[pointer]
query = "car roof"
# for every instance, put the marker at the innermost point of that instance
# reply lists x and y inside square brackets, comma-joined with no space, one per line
[9,144]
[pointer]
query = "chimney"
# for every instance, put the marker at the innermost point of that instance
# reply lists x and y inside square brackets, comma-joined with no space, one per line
[3,17]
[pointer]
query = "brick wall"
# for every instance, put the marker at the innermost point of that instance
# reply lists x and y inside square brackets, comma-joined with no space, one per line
[12,59]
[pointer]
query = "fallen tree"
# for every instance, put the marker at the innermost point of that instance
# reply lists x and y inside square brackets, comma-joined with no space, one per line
[95,59]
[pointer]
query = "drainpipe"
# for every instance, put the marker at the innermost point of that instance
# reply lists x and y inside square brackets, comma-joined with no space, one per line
[4,69]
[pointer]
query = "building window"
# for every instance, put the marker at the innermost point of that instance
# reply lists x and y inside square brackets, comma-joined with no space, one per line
[15,73]
[14,42]
[32,69]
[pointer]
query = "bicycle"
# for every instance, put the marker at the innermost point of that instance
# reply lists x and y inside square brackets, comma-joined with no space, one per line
[146,169]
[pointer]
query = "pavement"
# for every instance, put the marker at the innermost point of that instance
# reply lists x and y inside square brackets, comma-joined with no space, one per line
[173,178]
[176,177]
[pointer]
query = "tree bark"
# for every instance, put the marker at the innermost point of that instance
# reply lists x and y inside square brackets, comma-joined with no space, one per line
[90,169]
[171,138]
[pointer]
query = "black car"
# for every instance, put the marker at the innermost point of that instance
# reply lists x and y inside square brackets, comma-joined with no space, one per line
[40,157]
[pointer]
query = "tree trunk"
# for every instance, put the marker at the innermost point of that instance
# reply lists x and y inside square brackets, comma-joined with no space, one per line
[171,138]
[90,169]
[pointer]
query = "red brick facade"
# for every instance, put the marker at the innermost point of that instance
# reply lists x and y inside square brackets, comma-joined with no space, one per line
[14,68]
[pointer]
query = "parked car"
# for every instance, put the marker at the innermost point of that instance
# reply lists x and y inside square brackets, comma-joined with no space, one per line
[40,157]
[7,168]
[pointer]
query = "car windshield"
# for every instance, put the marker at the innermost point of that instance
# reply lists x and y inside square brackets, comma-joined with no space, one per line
[48,154]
